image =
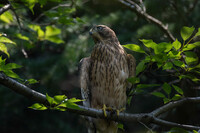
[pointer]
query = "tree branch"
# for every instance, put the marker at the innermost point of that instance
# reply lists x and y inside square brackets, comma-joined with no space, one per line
[150,18]
[141,117]
[5,8]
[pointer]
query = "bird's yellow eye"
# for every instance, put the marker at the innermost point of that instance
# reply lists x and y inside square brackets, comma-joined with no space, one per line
[99,28]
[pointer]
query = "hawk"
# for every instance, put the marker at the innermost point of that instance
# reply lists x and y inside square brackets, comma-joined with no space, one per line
[103,76]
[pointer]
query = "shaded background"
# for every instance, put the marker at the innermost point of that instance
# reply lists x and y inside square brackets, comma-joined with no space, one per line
[55,66]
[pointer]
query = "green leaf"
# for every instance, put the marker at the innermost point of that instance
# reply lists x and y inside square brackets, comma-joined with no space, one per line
[195,67]
[191,77]
[60,98]
[72,105]
[38,106]
[168,65]
[39,31]
[176,44]
[195,131]
[30,4]
[133,80]
[74,100]
[11,74]
[176,97]
[141,86]
[178,63]
[6,40]
[148,43]
[32,81]
[179,90]
[178,130]
[6,17]
[52,31]
[166,100]
[191,46]
[129,100]
[49,99]
[12,66]
[134,47]
[167,88]
[162,47]
[158,94]
[20,36]
[140,67]
[186,32]
[4,49]
[120,126]
[191,58]
[198,33]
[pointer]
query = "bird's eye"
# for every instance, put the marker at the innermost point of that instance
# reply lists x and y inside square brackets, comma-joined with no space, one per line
[99,28]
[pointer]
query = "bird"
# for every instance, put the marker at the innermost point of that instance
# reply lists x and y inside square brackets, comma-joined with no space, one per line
[103,77]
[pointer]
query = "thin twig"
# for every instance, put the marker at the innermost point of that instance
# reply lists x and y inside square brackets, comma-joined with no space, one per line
[150,18]
[142,117]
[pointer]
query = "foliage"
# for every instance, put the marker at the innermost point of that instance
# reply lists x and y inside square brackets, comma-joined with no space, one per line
[53,38]
[58,102]
[175,56]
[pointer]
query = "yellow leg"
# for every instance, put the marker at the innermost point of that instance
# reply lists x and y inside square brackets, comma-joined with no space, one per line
[120,110]
[104,110]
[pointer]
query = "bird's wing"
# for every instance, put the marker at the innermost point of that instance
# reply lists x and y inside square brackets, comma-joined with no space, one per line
[84,80]
[131,67]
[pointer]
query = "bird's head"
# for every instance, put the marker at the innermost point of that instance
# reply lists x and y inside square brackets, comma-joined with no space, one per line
[101,33]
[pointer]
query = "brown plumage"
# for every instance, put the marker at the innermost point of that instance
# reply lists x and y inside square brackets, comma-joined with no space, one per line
[103,76]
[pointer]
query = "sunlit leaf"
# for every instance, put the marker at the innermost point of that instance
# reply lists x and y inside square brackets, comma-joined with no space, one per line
[39,31]
[186,32]
[120,126]
[167,88]
[198,32]
[179,63]
[6,40]
[191,46]
[49,99]
[38,106]
[148,43]
[176,44]
[6,17]
[52,31]
[179,90]
[140,67]
[11,74]
[134,47]
[176,97]
[32,81]
[20,36]
[72,105]
[162,47]
[59,98]
[133,80]
[158,94]
[4,49]
[168,65]
[74,100]
[12,66]
[30,4]
[191,58]
[166,100]
[174,54]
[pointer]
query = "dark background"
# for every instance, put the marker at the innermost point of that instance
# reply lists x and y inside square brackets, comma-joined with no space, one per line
[55,66]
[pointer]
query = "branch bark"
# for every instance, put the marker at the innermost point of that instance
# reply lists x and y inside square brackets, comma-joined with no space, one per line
[151,117]
[5,8]
[150,18]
